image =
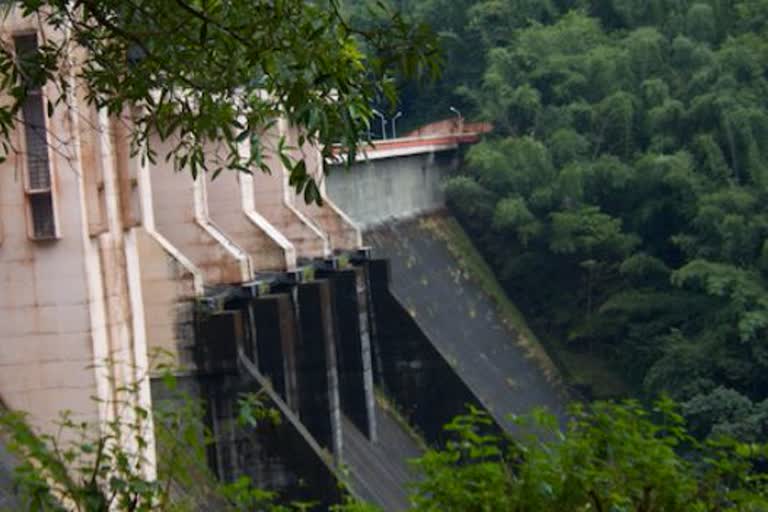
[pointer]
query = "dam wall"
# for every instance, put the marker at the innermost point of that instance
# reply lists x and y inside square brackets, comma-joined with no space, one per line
[106,257]
[304,341]
[505,371]
[373,192]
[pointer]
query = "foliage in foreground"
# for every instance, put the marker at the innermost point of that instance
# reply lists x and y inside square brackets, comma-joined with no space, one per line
[611,458]
[192,72]
[89,469]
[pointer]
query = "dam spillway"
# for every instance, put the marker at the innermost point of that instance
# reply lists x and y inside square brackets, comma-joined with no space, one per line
[252,291]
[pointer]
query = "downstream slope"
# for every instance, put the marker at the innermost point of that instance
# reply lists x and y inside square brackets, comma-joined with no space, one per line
[439,277]
[380,472]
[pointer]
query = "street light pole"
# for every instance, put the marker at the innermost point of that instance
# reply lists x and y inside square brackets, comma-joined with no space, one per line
[397,116]
[383,122]
[461,118]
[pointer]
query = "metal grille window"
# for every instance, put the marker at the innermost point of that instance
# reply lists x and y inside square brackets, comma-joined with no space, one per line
[40,204]
[38,168]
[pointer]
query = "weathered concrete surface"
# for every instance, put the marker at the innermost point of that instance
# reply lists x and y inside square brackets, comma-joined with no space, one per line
[380,471]
[181,216]
[375,191]
[274,200]
[409,368]
[267,248]
[333,221]
[48,330]
[168,293]
[319,401]
[353,346]
[462,322]
[283,457]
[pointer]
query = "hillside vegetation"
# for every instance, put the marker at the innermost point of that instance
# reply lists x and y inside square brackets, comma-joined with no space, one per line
[621,199]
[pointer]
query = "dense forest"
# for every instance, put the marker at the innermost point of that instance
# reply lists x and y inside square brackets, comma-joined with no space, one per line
[621,198]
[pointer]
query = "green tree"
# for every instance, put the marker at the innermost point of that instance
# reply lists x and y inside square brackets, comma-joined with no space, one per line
[724,411]
[224,71]
[95,468]
[610,457]
[90,467]
[629,165]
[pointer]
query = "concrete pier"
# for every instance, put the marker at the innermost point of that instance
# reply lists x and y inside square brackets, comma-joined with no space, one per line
[276,341]
[319,402]
[353,347]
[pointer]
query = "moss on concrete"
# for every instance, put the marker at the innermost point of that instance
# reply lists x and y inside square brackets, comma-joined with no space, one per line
[389,405]
[574,369]
[446,228]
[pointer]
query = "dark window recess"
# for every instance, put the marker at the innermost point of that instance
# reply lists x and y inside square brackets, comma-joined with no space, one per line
[38,168]
[26,47]
[35,137]
[43,223]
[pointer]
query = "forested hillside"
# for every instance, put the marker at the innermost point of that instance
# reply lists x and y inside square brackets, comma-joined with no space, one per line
[622,197]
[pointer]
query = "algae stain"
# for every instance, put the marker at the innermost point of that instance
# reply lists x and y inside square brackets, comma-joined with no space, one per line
[474,268]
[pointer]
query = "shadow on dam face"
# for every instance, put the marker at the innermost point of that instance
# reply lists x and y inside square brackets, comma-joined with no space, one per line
[462,322]
[280,456]
[409,368]
[306,344]
[332,348]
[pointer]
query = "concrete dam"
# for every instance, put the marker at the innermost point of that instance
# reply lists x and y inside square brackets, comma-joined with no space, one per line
[352,349]
[360,322]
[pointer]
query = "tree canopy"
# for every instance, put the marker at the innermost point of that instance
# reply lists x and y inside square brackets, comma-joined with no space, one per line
[611,457]
[621,197]
[204,70]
